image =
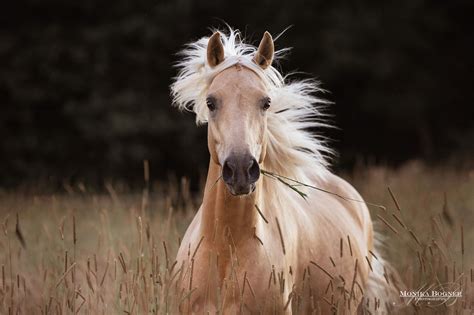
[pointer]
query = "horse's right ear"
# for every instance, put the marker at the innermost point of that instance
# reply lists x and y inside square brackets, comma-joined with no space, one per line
[266,50]
[215,50]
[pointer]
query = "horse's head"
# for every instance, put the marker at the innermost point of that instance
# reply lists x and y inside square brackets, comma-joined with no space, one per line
[238,101]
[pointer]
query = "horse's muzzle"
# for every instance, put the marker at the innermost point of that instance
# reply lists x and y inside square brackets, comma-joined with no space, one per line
[240,172]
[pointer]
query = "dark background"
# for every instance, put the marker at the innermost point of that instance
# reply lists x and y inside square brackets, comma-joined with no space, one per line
[84,85]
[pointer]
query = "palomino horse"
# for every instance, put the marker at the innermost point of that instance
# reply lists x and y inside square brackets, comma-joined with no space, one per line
[263,241]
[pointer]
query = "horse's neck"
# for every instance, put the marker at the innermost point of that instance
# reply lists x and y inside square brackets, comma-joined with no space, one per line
[223,213]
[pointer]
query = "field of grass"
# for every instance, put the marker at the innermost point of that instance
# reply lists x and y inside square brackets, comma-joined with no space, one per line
[79,251]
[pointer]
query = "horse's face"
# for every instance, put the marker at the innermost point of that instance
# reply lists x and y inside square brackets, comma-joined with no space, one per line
[238,101]
[237,105]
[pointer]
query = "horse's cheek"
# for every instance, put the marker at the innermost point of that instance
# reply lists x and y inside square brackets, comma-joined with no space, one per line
[263,149]
[211,144]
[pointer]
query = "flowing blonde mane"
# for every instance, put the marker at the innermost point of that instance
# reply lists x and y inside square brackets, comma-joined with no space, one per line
[292,150]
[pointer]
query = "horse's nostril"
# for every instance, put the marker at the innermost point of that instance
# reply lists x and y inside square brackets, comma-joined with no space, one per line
[254,171]
[227,172]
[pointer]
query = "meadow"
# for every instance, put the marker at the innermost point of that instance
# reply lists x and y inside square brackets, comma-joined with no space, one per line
[81,251]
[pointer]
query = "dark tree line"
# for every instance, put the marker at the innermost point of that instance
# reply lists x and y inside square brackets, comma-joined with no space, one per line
[84,85]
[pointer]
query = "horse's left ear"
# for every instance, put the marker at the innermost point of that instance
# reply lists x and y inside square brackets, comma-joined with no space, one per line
[266,49]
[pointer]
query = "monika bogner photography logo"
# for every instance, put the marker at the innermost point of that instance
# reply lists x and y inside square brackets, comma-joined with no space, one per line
[439,294]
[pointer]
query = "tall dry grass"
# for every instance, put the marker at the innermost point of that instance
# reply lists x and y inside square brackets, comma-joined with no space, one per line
[80,252]
[427,229]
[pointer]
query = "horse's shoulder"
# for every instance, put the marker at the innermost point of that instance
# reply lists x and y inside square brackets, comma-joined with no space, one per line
[339,185]
[341,190]
[190,234]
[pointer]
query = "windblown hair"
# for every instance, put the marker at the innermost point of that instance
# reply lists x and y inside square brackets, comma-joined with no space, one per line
[292,150]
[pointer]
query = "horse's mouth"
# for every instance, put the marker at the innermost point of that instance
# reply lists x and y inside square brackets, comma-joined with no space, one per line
[241,190]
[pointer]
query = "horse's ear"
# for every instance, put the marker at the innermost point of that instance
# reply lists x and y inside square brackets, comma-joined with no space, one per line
[215,50]
[266,49]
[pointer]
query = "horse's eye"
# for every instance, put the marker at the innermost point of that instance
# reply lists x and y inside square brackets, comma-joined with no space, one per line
[211,104]
[266,103]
